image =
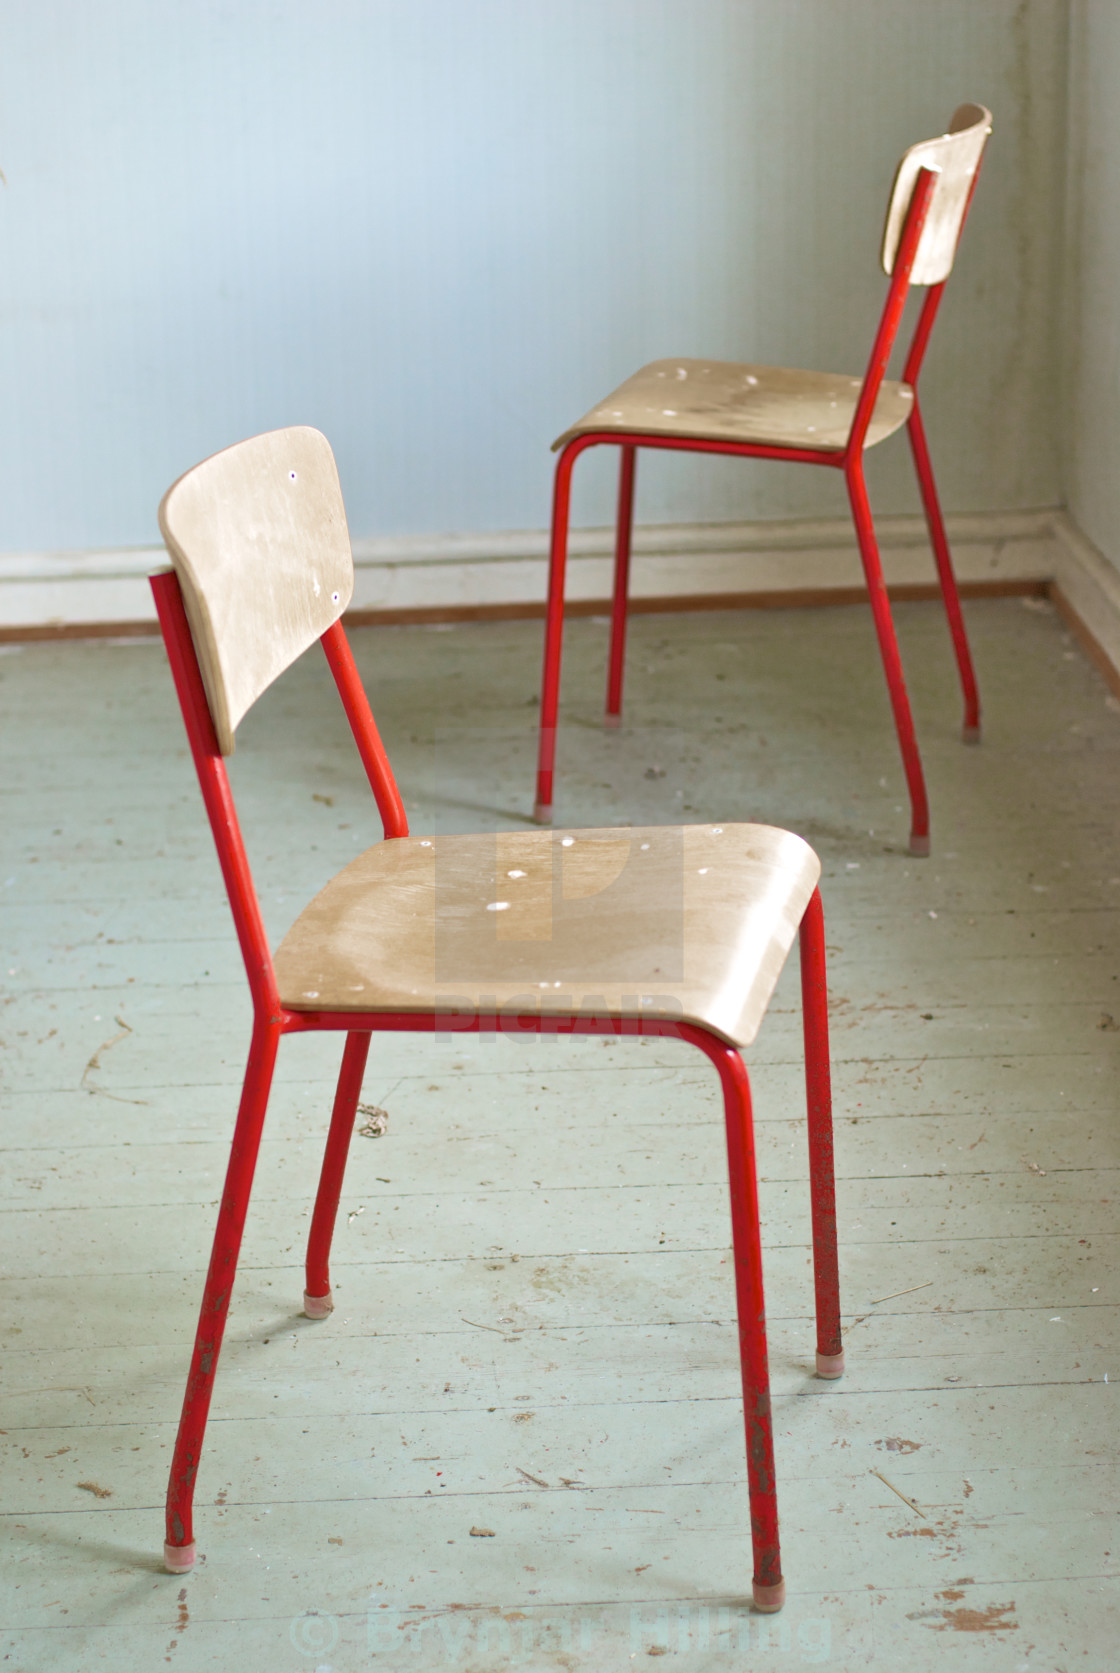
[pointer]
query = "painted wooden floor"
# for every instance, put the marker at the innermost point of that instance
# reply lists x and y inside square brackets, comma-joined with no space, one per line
[535,1324]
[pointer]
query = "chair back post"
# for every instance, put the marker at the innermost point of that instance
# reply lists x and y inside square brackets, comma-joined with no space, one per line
[216,794]
[920,340]
[340,659]
[891,317]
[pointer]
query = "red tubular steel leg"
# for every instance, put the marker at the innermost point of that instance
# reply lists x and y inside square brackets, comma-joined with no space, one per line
[340,658]
[822,1180]
[554,632]
[768,1586]
[892,662]
[970,731]
[623,535]
[317,1302]
[178,1552]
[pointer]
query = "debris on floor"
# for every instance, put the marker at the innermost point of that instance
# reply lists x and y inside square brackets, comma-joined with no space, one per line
[900,1494]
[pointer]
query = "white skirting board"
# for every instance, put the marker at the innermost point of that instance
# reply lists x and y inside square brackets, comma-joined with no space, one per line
[690,560]
[1087,591]
[477,571]
[507,571]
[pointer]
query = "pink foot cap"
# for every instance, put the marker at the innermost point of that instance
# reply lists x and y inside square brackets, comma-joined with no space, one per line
[612,720]
[830,1366]
[542,813]
[317,1306]
[920,845]
[970,734]
[768,1599]
[177,1559]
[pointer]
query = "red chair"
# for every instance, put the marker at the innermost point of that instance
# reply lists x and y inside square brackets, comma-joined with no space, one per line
[677,932]
[806,418]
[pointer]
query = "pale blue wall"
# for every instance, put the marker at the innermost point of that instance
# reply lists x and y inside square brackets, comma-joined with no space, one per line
[1092,465]
[439,229]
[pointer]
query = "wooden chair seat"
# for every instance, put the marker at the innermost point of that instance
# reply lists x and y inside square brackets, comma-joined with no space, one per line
[693,921]
[722,400]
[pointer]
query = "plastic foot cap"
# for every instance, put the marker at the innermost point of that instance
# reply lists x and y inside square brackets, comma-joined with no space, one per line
[919,845]
[768,1599]
[830,1365]
[317,1306]
[970,734]
[612,721]
[177,1559]
[542,813]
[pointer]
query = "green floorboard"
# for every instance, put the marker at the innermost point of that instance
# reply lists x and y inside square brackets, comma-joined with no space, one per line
[535,1323]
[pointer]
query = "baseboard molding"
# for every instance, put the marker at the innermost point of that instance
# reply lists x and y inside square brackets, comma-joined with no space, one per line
[1086,593]
[699,566]
[675,603]
[720,566]
[504,575]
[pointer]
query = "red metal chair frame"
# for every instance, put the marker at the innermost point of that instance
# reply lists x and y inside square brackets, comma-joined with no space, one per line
[848,459]
[272,1020]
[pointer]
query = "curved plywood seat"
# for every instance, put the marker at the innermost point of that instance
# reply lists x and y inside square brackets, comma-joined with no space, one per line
[723,400]
[693,922]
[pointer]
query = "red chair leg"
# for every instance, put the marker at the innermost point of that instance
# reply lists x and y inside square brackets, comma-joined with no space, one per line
[892,662]
[554,631]
[822,1180]
[317,1301]
[768,1586]
[970,731]
[179,1551]
[623,536]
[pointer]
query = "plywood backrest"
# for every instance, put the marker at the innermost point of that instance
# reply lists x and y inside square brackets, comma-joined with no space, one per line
[258,538]
[954,157]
